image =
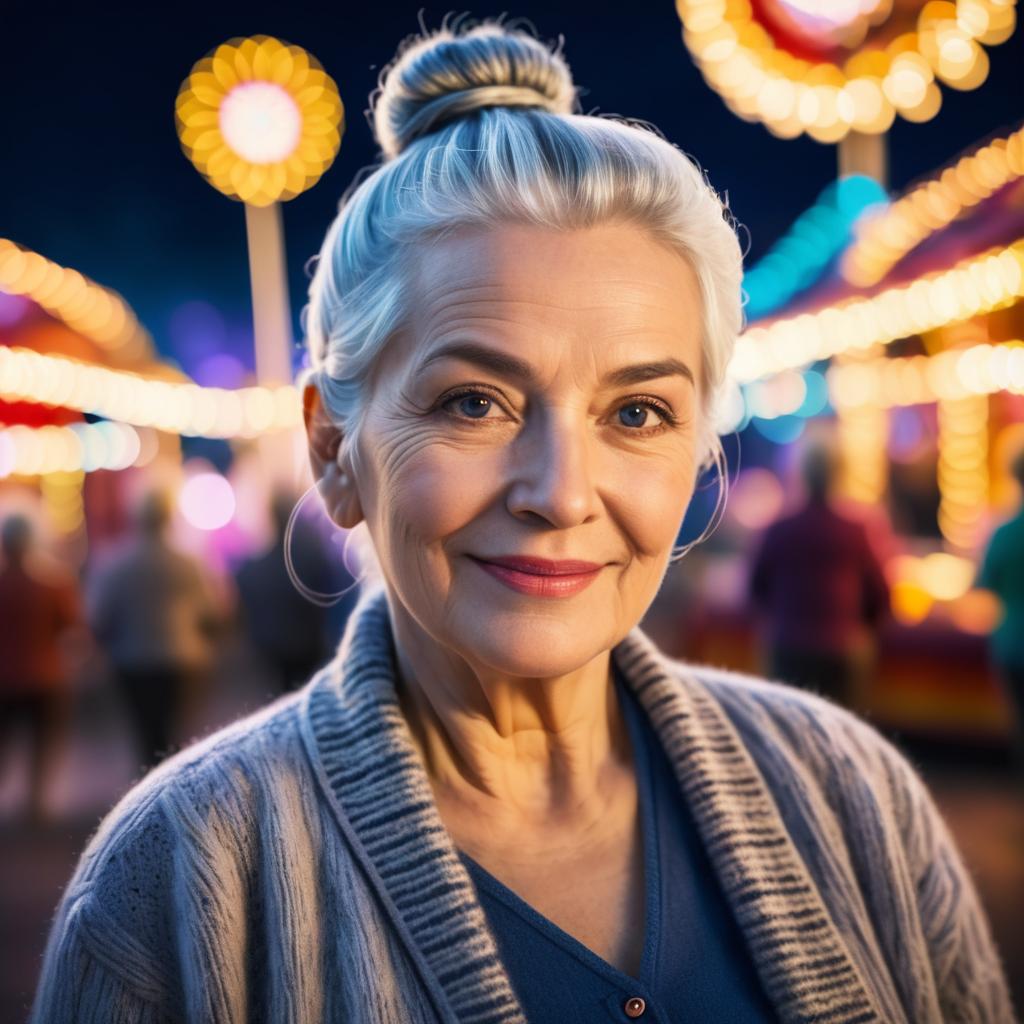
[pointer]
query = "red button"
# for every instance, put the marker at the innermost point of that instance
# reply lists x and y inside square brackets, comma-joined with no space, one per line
[635,1007]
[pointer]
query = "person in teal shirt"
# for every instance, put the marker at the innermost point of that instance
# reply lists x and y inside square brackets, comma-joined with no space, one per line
[1002,572]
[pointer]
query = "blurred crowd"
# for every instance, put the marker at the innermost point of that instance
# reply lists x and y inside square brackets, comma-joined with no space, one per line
[154,617]
[814,584]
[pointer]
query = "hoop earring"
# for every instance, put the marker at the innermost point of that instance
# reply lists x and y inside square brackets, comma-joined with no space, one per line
[719,511]
[316,597]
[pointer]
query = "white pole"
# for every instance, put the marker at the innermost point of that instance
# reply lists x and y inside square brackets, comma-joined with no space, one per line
[272,328]
[271,311]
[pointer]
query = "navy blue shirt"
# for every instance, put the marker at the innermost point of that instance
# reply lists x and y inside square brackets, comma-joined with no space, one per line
[695,965]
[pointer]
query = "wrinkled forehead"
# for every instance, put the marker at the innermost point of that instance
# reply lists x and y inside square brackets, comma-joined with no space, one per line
[602,291]
[585,266]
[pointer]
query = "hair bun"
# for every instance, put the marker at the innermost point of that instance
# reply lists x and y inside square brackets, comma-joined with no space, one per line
[448,74]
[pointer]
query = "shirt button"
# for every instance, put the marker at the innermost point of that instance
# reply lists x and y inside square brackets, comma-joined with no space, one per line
[635,1007]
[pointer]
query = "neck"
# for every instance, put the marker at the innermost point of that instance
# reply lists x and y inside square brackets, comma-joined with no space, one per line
[508,748]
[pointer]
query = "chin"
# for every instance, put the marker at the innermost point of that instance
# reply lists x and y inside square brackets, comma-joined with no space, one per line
[530,642]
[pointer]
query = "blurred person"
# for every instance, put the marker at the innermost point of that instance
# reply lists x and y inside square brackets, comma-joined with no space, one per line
[39,608]
[152,610]
[819,587]
[1002,572]
[501,802]
[287,630]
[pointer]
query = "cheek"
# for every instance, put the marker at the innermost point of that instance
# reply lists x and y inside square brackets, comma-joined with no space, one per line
[429,488]
[651,498]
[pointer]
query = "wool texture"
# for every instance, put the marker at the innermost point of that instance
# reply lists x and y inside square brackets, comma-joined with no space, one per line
[293,867]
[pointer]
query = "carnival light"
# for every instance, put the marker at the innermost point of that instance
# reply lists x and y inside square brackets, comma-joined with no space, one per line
[919,380]
[886,236]
[207,501]
[781,430]
[756,499]
[78,448]
[260,119]
[131,398]
[918,583]
[963,468]
[826,24]
[798,259]
[862,433]
[62,498]
[98,313]
[975,286]
[762,81]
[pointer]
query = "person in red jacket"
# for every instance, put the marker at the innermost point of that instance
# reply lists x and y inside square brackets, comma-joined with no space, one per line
[37,609]
[819,587]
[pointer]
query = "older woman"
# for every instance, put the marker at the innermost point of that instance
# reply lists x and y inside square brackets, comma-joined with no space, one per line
[500,802]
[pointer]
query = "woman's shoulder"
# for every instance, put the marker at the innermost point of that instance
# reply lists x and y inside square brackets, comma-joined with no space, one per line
[211,791]
[172,863]
[748,694]
[869,833]
[827,766]
[780,723]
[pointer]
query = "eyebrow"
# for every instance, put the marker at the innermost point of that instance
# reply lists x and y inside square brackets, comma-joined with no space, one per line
[511,366]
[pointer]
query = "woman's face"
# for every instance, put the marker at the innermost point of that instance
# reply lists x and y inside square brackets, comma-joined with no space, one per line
[544,403]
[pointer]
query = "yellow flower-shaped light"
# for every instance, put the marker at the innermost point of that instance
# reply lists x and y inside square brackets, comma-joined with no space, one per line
[260,119]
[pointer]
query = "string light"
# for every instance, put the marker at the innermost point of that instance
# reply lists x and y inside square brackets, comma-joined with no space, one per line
[798,259]
[130,398]
[881,383]
[962,468]
[920,380]
[78,448]
[977,285]
[97,313]
[62,496]
[762,81]
[886,236]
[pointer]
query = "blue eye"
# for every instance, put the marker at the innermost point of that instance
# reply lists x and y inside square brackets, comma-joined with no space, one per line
[636,414]
[474,404]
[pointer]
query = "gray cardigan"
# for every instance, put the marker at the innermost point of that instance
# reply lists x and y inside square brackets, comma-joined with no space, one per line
[293,867]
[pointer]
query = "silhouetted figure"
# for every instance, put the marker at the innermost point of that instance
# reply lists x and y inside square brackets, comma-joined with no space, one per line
[37,609]
[151,608]
[1002,572]
[820,588]
[287,630]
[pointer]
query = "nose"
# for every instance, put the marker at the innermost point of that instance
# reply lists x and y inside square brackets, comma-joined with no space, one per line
[553,471]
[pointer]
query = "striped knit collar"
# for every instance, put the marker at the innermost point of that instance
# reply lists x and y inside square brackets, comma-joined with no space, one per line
[359,739]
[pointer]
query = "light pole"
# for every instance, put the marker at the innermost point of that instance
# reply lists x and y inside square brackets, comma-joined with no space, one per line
[261,121]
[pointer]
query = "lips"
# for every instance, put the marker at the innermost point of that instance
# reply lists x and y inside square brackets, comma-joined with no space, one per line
[542,566]
[541,577]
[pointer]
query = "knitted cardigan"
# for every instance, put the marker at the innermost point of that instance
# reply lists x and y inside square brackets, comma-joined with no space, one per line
[293,867]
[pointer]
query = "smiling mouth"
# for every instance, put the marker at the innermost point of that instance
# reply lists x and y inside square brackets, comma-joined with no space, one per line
[542,566]
[539,584]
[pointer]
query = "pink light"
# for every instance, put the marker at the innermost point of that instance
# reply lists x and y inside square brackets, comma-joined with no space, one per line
[12,308]
[207,501]
[756,499]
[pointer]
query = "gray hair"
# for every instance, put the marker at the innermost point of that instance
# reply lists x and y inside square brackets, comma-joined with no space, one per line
[482,128]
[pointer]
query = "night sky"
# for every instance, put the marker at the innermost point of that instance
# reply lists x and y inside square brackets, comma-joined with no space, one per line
[93,175]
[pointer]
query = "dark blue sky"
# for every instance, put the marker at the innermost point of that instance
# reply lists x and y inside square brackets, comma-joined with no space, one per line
[93,176]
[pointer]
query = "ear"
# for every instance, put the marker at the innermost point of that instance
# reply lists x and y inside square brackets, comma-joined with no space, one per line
[336,483]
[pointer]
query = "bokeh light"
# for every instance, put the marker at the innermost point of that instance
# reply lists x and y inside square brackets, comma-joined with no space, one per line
[817,236]
[756,498]
[260,119]
[862,84]
[207,501]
